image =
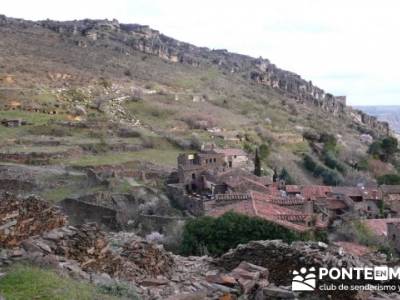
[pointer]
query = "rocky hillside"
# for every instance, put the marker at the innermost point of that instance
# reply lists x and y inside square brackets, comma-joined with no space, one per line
[126,38]
[390,114]
[130,89]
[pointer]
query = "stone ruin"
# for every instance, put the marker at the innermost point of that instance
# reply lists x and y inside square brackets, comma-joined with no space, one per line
[258,270]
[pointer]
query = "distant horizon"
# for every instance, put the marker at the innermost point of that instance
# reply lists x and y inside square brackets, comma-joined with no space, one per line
[342,52]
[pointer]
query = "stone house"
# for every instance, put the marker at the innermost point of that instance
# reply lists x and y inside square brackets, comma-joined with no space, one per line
[393,234]
[391,197]
[366,201]
[233,157]
[193,167]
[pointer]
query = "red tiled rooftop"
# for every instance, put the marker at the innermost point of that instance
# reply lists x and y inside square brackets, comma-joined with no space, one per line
[244,207]
[261,207]
[365,192]
[336,204]
[309,191]
[315,191]
[293,189]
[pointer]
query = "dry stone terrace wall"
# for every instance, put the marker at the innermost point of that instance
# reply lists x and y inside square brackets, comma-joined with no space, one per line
[39,158]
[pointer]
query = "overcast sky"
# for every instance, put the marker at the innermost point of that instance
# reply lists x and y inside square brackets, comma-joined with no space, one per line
[348,47]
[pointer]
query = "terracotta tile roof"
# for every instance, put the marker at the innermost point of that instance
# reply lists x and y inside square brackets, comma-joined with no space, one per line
[268,208]
[336,204]
[243,181]
[347,190]
[315,191]
[260,185]
[276,199]
[262,207]
[309,191]
[244,207]
[293,189]
[353,248]
[379,226]
[232,197]
[368,193]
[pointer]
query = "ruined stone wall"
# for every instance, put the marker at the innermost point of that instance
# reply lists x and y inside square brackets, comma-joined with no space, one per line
[179,199]
[80,212]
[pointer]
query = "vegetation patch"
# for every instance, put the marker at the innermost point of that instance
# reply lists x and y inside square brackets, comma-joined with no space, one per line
[27,282]
[215,236]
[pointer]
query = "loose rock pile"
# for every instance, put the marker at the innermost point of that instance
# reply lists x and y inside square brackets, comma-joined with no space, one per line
[149,257]
[21,218]
[281,258]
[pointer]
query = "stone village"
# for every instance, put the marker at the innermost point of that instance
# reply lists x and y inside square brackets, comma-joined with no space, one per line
[215,181]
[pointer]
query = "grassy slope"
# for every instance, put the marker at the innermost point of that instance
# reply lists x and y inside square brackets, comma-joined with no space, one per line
[26,282]
[233,102]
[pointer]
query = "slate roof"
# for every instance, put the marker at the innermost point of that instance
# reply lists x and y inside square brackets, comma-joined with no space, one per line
[261,206]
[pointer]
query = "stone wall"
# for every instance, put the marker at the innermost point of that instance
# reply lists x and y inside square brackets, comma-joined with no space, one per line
[194,205]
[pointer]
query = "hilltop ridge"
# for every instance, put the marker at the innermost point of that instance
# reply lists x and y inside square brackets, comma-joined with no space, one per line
[127,37]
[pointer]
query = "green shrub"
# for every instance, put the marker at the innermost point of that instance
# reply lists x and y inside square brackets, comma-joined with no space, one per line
[309,163]
[389,179]
[329,141]
[329,177]
[215,236]
[362,165]
[331,162]
[264,151]
[257,164]
[119,289]
[284,175]
[384,149]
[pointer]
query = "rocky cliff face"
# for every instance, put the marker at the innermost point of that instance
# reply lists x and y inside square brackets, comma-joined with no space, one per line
[127,37]
[390,114]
